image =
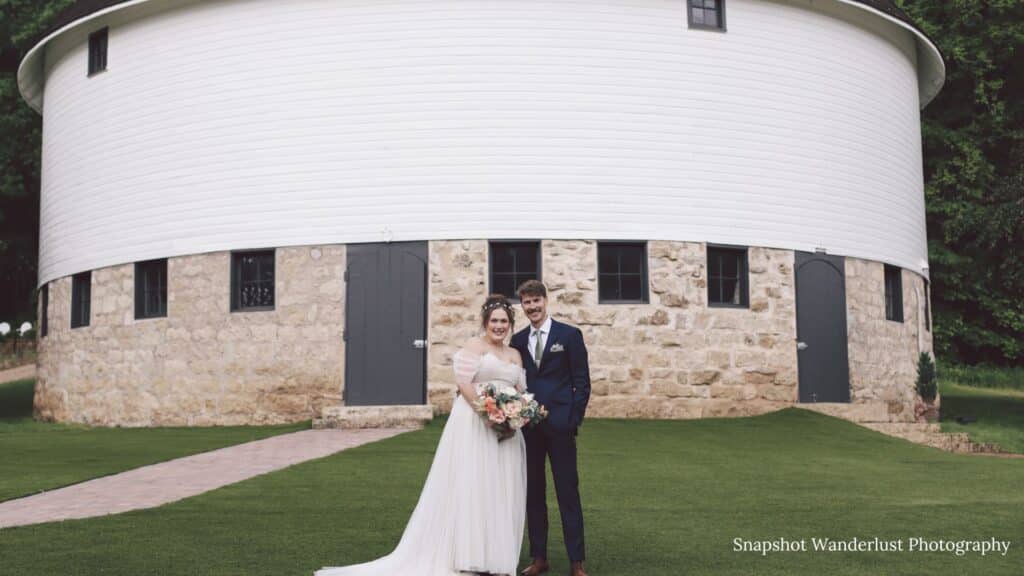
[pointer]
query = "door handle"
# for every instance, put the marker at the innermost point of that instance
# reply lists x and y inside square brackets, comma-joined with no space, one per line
[419,343]
[801,345]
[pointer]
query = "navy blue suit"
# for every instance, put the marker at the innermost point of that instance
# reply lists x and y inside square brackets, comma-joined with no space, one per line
[562,385]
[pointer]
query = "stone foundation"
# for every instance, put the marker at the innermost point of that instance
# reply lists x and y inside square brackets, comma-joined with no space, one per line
[883,353]
[674,357]
[201,364]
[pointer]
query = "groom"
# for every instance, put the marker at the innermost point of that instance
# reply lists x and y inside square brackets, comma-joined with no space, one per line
[558,376]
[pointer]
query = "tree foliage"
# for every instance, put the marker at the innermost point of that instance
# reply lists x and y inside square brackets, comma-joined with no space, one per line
[21,21]
[973,154]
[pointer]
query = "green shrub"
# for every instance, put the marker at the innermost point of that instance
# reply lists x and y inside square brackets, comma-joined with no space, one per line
[926,385]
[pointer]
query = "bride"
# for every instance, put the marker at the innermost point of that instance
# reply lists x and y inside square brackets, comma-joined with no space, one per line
[470,515]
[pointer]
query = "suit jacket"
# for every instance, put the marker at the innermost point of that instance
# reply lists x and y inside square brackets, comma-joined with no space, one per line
[562,381]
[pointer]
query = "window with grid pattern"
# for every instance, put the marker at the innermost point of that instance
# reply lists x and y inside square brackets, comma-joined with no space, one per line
[728,277]
[708,14]
[513,263]
[252,280]
[80,296]
[97,51]
[151,289]
[622,272]
[893,293]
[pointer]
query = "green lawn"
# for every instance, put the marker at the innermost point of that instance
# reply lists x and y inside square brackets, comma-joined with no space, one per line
[660,498]
[37,456]
[999,413]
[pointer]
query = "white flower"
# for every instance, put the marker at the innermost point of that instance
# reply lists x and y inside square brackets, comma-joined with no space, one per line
[508,390]
[5,328]
[528,397]
[25,327]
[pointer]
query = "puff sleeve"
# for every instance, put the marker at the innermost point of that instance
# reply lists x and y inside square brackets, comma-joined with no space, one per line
[465,364]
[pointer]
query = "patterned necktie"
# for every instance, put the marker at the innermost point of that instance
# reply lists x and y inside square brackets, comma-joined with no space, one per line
[538,349]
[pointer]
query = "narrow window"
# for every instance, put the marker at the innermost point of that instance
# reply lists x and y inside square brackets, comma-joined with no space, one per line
[927,306]
[893,294]
[707,14]
[80,295]
[252,280]
[621,272]
[728,277]
[151,289]
[44,313]
[513,263]
[97,51]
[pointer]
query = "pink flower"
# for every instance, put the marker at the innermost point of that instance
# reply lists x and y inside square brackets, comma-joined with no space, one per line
[512,409]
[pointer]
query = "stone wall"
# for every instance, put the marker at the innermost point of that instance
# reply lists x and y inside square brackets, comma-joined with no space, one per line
[672,358]
[676,357]
[883,353]
[201,364]
[457,288]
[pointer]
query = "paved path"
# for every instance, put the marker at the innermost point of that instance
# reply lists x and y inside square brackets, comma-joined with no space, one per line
[20,373]
[165,482]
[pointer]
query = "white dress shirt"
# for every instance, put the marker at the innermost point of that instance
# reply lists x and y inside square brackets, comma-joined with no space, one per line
[542,333]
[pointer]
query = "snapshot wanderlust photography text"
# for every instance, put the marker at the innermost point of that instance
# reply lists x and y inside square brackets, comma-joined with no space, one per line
[957,547]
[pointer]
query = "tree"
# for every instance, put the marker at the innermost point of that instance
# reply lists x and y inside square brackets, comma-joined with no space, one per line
[973,150]
[21,22]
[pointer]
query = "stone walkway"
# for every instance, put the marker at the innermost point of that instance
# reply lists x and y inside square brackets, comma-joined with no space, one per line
[20,373]
[165,482]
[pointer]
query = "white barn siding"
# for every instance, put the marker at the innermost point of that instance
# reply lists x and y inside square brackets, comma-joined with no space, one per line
[251,123]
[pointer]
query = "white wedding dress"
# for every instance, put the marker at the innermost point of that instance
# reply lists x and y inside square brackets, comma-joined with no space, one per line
[472,509]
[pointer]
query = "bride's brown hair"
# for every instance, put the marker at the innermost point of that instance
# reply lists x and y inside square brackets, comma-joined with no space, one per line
[494,302]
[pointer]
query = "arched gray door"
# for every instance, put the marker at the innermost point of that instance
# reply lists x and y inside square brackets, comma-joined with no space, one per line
[824,369]
[386,324]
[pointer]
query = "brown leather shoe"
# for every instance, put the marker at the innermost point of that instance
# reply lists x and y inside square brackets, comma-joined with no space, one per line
[536,568]
[577,569]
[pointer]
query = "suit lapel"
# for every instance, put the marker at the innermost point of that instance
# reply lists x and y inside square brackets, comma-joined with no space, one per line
[524,340]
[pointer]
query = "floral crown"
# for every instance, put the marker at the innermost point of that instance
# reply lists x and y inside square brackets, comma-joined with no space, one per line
[498,304]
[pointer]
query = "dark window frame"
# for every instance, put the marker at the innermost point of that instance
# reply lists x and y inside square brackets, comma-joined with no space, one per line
[44,297]
[927,305]
[645,293]
[720,10]
[236,280]
[515,273]
[142,288]
[893,280]
[98,42]
[81,296]
[743,271]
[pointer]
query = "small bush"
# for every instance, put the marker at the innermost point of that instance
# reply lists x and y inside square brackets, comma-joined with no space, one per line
[926,385]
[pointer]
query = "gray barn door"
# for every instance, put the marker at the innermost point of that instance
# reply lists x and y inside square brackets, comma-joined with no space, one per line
[386,324]
[823,366]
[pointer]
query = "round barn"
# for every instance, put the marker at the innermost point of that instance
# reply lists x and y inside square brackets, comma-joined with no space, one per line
[257,211]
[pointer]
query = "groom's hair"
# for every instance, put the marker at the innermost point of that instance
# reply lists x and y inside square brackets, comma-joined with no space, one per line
[532,288]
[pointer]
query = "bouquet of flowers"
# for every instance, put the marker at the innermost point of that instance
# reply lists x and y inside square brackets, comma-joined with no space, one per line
[507,409]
